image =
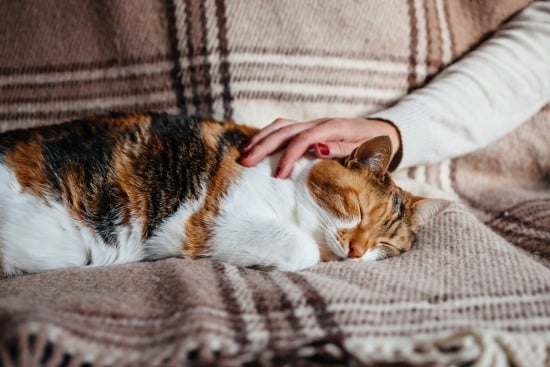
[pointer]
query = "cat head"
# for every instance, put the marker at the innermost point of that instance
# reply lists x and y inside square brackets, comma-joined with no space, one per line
[364,213]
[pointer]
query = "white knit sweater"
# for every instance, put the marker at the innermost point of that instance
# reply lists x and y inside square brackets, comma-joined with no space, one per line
[485,95]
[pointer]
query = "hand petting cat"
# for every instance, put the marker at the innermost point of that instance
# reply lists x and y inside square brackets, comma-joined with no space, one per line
[328,137]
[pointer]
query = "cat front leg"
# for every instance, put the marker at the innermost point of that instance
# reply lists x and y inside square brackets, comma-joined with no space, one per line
[264,243]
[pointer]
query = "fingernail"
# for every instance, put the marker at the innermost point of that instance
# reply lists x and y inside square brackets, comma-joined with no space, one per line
[277,172]
[323,149]
[245,155]
[247,147]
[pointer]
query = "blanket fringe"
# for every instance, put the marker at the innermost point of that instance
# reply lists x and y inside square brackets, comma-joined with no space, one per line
[470,347]
[45,346]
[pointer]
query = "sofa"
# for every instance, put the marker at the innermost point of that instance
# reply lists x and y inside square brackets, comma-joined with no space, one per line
[473,291]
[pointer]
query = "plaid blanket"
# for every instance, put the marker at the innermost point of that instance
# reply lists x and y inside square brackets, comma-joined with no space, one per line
[475,290]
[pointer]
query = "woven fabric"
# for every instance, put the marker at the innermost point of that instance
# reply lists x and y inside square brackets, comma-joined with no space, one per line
[475,288]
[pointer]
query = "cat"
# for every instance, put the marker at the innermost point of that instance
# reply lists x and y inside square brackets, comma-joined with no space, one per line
[129,187]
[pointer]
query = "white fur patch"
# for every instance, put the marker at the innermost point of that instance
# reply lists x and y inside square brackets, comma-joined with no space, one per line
[169,238]
[35,236]
[271,222]
[372,254]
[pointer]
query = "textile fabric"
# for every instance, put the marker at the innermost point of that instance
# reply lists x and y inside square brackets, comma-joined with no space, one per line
[474,289]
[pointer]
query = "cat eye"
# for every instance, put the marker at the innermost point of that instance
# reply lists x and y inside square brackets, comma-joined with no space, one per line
[387,224]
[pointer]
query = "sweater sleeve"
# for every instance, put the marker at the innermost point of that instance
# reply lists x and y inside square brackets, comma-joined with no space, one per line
[480,98]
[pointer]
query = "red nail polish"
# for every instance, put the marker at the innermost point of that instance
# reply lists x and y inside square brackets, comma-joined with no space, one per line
[245,155]
[277,173]
[323,149]
[247,147]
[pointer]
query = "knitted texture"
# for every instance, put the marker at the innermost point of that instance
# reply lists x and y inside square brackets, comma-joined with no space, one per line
[475,288]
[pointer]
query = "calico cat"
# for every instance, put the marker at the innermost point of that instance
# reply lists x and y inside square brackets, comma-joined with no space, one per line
[123,188]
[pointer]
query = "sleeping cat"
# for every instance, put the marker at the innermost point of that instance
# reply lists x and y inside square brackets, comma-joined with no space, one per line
[124,188]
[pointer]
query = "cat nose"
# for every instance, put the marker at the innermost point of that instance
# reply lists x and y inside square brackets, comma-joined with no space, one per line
[355,251]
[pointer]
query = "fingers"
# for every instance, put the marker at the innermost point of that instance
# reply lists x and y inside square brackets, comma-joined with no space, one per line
[327,150]
[334,149]
[301,142]
[274,126]
[328,137]
[278,134]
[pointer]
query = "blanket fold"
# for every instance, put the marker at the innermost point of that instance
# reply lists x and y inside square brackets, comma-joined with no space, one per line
[475,288]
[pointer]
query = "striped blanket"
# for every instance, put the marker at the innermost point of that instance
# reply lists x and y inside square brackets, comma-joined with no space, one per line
[475,290]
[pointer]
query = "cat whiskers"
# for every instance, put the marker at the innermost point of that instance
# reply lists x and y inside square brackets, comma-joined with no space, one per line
[331,237]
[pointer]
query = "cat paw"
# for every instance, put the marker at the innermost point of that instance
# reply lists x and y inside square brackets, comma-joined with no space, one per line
[370,255]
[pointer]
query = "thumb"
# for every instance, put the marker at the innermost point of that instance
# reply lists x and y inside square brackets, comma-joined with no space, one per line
[333,149]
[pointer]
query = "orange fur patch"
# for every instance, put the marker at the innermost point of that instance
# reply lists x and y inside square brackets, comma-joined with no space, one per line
[27,161]
[334,189]
[73,192]
[200,225]
[359,195]
[211,132]
[125,156]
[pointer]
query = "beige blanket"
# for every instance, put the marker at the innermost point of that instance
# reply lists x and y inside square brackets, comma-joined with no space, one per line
[475,289]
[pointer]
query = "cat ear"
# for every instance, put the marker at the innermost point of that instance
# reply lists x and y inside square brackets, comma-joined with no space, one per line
[423,209]
[374,154]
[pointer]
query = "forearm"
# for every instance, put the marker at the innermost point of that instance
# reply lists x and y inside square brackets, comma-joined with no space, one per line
[485,95]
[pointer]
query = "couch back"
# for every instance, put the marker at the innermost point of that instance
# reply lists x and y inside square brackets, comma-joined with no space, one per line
[247,60]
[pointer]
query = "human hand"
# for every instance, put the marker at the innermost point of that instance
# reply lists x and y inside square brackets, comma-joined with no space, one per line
[329,138]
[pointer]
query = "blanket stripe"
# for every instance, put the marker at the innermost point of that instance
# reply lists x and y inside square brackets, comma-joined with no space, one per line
[475,288]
